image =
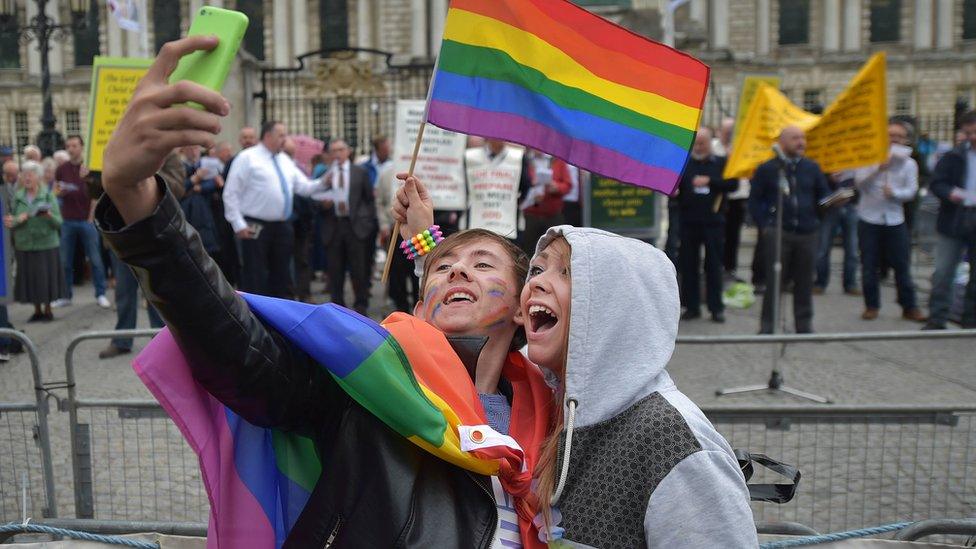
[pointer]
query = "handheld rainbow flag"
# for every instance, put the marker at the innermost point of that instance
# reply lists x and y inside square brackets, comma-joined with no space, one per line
[259,479]
[553,76]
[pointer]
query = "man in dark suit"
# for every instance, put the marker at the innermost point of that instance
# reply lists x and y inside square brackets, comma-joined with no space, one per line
[349,218]
[804,185]
[701,211]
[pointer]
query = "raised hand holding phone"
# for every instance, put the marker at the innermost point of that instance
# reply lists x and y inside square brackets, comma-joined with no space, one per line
[150,129]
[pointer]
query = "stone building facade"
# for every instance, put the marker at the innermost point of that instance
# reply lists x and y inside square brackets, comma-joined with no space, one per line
[814,45]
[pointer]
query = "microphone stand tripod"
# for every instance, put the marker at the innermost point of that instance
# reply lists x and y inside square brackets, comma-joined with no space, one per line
[776,381]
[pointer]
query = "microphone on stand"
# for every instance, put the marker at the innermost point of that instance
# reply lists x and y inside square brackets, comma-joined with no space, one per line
[784,184]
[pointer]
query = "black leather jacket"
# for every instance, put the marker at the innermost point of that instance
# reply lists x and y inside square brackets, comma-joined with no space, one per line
[377,488]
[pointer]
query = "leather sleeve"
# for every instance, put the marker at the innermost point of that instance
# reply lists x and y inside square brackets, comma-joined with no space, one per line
[244,364]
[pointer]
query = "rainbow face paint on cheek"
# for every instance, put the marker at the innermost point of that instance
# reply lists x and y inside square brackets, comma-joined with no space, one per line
[431,304]
[502,312]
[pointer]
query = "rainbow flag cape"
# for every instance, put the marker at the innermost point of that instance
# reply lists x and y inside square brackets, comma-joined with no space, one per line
[553,76]
[405,372]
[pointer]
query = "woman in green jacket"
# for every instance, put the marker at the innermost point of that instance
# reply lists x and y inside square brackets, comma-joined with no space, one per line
[34,220]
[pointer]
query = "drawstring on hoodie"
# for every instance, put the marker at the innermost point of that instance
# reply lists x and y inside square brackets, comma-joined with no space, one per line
[564,471]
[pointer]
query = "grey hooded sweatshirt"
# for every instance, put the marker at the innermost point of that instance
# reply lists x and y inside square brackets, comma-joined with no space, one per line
[645,466]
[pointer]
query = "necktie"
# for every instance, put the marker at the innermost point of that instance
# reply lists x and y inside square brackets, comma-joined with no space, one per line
[284,187]
[341,206]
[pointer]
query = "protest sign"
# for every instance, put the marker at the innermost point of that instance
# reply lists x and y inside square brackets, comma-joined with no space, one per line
[852,132]
[619,208]
[771,111]
[747,92]
[440,162]
[305,148]
[493,185]
[114,79]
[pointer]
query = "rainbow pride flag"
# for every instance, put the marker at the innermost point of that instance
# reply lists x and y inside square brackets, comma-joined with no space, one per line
[553,76]
[404,372]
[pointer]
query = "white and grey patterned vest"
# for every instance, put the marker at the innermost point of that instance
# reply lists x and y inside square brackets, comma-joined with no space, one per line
[615,466]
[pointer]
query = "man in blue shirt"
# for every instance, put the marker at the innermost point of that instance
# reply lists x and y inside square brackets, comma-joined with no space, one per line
[803,185]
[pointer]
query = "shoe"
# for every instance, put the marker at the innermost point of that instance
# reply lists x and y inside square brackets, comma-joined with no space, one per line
[869,314]
[112,351]
[4,357]
[63,302]
[818,290]
[804,330]
[853,292]
[930,325]
[690,315]
[36,317]
[915,315]
[47,317]
[718,318]
[103,302]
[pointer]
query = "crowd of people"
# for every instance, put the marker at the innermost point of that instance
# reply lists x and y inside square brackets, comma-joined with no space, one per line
[274,225]
[871,208]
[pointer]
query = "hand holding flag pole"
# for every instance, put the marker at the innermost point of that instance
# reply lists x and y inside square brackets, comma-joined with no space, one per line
[396,226]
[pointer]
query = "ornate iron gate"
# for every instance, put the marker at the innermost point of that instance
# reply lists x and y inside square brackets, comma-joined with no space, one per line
[348,93]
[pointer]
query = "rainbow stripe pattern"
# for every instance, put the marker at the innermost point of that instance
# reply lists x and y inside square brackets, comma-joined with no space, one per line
[553,76]
[259,479]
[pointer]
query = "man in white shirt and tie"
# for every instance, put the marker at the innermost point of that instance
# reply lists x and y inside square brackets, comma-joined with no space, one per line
[349,220]
[258,200]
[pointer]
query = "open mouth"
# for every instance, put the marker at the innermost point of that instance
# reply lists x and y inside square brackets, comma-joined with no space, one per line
[542,318]
[458,296]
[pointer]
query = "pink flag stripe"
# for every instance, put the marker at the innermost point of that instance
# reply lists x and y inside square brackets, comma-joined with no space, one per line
[236,518]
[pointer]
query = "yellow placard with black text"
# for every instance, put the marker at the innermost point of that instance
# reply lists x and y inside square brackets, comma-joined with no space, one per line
[851,133]
[114,80]
[748,89]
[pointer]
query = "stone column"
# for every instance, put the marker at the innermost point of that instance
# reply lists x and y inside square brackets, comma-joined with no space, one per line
[831,25]
[299,28]
[923,24]
[945,31]
[418,39]
[719,34]
[852,25]
[762,27]
[438,13]
[279,40]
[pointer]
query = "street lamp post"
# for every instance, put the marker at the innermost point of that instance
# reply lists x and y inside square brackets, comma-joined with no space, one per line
[44,29]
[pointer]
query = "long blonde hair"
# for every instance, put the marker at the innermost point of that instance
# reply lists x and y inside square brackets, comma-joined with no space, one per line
[547,467]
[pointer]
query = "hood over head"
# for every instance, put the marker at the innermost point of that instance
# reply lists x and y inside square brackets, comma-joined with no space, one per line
[623,321]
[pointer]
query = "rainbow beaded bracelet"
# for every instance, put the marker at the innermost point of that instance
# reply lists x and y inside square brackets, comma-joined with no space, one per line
[422,243]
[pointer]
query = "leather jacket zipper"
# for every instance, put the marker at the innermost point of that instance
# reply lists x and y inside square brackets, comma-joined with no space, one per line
[334,533]
[494,508]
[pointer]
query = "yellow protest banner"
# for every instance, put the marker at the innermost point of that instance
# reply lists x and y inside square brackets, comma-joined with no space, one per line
[852,132]
[770,112]
[748,89]
[114,80]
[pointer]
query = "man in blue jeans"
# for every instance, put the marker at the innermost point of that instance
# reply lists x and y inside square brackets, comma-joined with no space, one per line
[76,209]
[954,183]
[881,226]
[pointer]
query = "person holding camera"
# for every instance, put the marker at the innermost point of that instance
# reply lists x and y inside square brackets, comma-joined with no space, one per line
[34,221]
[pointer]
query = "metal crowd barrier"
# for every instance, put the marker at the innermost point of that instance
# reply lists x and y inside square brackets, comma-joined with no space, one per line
[28,463]
[129,460]
[861,465]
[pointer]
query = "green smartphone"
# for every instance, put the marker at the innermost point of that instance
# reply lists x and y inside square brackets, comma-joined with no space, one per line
[210,68]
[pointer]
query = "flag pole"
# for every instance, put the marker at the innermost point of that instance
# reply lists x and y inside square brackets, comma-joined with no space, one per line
[396,226]
[413,162]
